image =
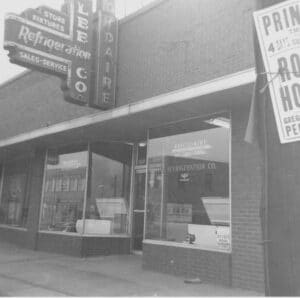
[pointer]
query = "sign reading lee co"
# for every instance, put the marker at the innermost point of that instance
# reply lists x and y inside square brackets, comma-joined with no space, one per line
[59,43]
[278,29]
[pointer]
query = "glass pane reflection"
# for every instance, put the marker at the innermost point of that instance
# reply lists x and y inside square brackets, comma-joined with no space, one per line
[64,191]
[107,209]
[14,200]
[188,183]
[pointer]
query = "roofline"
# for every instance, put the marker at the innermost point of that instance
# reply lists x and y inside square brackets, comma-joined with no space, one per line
[126,19]
[141,11]
[233,80]
[15,78]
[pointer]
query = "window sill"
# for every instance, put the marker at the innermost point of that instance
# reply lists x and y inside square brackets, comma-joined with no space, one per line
[13,227]
[84,235]
[186,245]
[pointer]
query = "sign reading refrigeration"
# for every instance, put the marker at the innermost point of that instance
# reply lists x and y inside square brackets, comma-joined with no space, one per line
[58,43]
[278,29]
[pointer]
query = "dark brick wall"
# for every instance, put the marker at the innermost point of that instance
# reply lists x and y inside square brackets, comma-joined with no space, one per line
[179,43]
[283,214]
[34,101]
[16,236]
[247,184]
[93,246]
[188,262]
[59,243]
[35,186]
[82,246]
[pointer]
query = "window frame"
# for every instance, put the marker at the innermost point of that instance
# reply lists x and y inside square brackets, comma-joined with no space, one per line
[187,245]
[4,165]
[92,145]
[54,188]
[88,149]
[1,182]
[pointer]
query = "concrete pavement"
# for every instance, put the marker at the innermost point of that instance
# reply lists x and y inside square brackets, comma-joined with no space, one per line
[31,273]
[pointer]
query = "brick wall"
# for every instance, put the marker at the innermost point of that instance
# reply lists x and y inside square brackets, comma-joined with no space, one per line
[59,243]
[247,183]
[208,265]
[34,101]
[179,43]
[35,186]
[16,236]
[95,246]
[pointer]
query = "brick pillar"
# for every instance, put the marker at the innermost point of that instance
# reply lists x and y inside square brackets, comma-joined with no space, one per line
[247,182]
[35,193]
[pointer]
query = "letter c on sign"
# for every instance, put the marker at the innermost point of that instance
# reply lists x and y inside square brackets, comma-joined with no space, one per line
[81,73]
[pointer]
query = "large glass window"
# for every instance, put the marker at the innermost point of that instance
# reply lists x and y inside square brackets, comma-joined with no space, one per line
[64,189]
[188,199]
[99,206]
[107,207]
[14,199]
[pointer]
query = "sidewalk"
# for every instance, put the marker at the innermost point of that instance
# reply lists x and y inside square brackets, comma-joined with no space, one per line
[31,273]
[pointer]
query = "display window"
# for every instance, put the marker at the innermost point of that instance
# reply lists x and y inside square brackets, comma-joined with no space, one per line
[188,183]
[14,200]
[63,199]
[86,190]
[107,207]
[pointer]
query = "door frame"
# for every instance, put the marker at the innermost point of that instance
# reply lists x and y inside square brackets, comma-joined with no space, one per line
[135,169]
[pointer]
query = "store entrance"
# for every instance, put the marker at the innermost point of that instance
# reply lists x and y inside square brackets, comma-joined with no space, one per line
[138,209]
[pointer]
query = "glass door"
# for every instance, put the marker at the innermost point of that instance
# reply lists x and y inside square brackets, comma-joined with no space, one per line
[138,209]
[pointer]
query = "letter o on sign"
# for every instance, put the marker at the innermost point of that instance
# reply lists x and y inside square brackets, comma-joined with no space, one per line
[80,87]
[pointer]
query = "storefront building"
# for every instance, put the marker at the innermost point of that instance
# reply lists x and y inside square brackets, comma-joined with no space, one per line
[166,172]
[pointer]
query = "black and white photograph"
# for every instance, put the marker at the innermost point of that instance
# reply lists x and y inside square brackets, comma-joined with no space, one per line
[149,148]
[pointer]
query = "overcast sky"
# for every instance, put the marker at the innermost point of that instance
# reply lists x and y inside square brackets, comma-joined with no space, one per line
[8,70]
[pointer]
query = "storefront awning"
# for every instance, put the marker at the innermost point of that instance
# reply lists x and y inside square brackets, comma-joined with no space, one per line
[129,123]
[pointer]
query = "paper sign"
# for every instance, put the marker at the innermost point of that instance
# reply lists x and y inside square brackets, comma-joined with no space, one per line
[278,30]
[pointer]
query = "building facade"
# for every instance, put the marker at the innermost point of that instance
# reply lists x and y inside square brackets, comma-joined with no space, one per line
[166,172]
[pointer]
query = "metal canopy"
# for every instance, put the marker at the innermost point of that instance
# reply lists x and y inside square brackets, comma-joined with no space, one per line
[132,126]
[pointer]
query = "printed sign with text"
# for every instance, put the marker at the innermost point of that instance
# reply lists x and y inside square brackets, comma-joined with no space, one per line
[278,30]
